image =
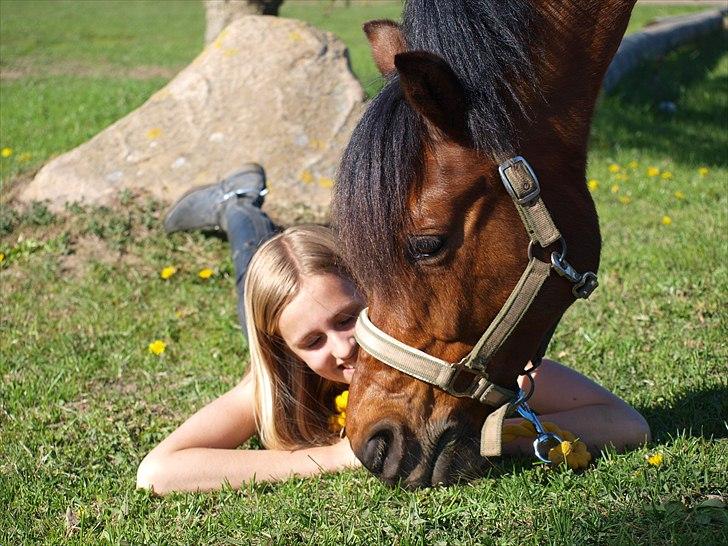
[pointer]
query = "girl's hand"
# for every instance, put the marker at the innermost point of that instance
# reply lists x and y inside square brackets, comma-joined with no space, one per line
[345,454]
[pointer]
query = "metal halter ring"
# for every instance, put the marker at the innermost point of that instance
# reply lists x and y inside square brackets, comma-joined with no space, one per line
[544,439]
[584,283]
[543,436]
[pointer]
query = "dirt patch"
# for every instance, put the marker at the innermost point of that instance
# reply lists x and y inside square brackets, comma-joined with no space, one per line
[81,235]
[23,70]
[85,251]
[11,187]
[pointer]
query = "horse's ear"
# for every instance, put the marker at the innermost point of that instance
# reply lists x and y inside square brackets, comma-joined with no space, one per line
[386,40]
[433,89]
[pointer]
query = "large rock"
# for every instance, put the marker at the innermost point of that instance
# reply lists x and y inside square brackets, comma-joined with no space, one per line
[271,90]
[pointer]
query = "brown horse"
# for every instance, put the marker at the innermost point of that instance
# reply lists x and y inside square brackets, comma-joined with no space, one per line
[428,229]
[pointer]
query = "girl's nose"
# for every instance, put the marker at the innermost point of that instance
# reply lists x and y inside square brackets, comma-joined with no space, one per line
[344,346]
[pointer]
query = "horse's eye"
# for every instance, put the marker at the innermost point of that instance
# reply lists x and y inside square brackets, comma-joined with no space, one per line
[422,247]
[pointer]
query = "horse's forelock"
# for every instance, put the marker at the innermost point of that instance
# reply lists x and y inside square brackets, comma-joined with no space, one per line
[369,209]
[490,45]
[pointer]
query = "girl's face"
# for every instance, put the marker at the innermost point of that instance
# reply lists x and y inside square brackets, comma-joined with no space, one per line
[318,325]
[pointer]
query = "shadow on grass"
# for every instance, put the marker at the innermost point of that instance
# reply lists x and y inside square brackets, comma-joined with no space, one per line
[700,413]
[637,114]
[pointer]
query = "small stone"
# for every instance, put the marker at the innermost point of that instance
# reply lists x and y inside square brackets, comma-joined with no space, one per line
[667,106]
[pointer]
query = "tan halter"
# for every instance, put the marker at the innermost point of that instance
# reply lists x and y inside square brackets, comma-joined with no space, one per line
[469,377]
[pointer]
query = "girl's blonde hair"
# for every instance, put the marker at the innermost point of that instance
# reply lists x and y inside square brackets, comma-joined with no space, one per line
[293,404]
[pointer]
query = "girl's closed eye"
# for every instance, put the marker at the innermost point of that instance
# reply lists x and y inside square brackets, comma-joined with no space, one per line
[313,343]
[347,321]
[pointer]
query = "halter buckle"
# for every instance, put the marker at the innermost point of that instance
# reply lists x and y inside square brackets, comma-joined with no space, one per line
[523,190]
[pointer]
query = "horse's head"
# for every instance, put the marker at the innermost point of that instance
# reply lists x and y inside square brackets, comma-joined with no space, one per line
[429,230]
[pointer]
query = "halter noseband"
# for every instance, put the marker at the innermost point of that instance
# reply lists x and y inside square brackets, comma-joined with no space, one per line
[469,377]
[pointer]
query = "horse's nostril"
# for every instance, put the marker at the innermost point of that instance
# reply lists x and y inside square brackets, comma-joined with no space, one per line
[376,450]
[383,451]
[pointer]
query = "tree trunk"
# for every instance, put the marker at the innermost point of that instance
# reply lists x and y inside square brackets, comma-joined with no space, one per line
[220,13]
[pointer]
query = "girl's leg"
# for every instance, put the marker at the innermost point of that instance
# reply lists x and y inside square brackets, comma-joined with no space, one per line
[247,228]
[233,206]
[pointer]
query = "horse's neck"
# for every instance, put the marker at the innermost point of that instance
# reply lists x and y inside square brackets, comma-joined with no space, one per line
[578,40]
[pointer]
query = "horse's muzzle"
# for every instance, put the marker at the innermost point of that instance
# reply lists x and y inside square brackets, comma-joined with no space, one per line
[396,456]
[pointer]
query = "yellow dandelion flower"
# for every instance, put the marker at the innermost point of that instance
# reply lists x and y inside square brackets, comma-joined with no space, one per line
[2,257]
[325,182]
[6,152]
[623,177]
[653,171]
[154,133]
[667,175]
[168,272]
[306,177]
[614,168]
[342,401]
[206,273]
[614,188]
[666,220]
[157,347]
[702,171]
[633,165]
[593,184]
[571,452]
[565,447]
[654,460]
[679,195]
[24,157]
[625,199]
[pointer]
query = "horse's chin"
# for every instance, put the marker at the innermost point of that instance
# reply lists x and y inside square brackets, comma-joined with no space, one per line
[459,461]
[458,465]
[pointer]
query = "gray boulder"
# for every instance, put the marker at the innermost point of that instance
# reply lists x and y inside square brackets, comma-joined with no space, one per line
[271,90]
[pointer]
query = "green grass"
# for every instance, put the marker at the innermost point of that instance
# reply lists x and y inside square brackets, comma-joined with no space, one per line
[80,65]
[82,400]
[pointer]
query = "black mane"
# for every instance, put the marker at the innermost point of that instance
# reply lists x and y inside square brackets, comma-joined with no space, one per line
[485,43]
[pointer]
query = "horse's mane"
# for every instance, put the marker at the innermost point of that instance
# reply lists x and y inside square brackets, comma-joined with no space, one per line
[486,42]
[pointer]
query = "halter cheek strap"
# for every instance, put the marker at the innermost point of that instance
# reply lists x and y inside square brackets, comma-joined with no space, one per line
[469,377]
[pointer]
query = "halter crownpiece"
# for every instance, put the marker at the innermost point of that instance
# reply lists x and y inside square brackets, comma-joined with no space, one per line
[469,377]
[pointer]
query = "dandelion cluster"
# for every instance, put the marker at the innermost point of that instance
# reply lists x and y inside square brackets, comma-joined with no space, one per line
[337,421]
[621,174]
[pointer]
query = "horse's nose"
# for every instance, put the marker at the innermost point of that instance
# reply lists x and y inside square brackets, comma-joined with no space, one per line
[384,450]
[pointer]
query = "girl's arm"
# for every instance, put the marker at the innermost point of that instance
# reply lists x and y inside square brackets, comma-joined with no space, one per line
[201,456]
[577,404]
